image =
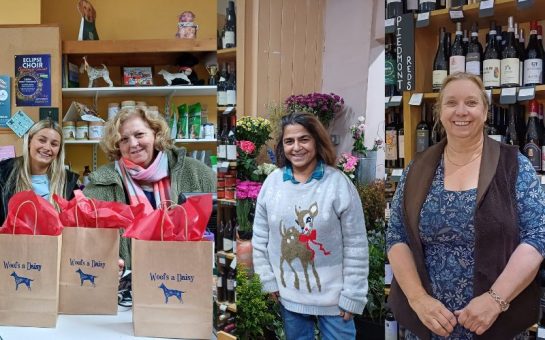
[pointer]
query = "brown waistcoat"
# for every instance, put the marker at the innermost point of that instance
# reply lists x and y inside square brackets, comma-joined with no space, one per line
[496,236]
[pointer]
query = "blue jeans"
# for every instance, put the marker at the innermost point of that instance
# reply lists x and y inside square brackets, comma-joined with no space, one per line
[301,326]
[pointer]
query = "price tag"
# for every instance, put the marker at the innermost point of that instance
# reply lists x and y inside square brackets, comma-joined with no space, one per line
[416,99]
[526,93]
[524,3]
[543,183]
[234,263]
[456,15]
[221,260]
[223,307]
[397,172]
[486,9]
[508,95]
[486,4]
[387,101]
[395,100]
[423,19]
[389,25]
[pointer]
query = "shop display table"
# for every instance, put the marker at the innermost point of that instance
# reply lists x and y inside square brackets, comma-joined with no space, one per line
[81,327]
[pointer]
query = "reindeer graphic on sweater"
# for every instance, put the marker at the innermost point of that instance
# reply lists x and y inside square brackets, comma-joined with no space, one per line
[296,245]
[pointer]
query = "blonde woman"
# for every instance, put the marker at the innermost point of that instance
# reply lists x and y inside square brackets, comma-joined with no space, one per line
[147,168]
[40,168]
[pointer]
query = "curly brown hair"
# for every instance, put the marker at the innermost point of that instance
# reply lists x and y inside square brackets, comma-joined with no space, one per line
[110,141]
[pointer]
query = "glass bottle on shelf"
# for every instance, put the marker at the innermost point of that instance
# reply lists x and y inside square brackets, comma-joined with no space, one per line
[400,141]
[532,148]
[491,60]
[231,139]
[422,132]
[231,284]
[492,129]
[474,54]
[221,281]
[412,6]
[231,88]
[229,35]
[457,60]
[223,139]
[390,68]
[510,60]
[394,8]
[86,173]
[227,237]
[222,86]
[440,63]
[511,132]
[391,142]
[426,6]
[533,64]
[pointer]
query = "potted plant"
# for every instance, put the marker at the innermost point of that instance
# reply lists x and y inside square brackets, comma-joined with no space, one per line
[371,323]
[323,105]
[254,311]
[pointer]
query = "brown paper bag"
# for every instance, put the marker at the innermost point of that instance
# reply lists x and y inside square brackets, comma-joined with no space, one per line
[29,275]
[172,289]
[89,271]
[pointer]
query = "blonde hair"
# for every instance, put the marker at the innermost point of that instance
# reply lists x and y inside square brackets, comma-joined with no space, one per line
[56,171]
[110,141]
[453,77]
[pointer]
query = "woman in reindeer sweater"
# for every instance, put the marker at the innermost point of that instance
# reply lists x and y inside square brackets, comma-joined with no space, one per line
[310,244]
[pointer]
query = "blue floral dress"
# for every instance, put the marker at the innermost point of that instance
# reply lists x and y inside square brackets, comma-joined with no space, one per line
[447,233]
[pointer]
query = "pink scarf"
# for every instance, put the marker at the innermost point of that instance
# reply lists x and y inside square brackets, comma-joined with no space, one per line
[156,173]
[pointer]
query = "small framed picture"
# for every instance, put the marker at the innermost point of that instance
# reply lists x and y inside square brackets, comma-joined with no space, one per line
[137,76]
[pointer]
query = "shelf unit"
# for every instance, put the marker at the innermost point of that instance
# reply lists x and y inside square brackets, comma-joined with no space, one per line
[142,91]
[426,45]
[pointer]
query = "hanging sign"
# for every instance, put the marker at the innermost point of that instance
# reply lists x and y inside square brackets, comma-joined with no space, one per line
[33,80]
[405,52]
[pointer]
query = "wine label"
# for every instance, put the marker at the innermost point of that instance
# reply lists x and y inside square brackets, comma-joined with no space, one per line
[491,72]
[509,71]
[438,77]
[401,145]
[390,152]
[231,152]
[427,1]
[533,69]
[390,330]
[222,151]
[457,64]
[227,244]
[498,138]
[230,284]
[473,63]
[231,97]
[392,1]
[422,140]
[533,152]
[219,283]
[390,72]
[229,38]
[222,98]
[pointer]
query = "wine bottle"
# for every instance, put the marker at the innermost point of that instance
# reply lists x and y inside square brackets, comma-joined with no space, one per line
[491,127]
[227,237]
[222,86]
[457,60]
[231,284]
[390,327]
[223,138]
[229,37]
[521,54]
[426,6]
[422,132]
[474,54]
[394,8]
[440,63]
[465,42]
[511,132]
[231,89]
[221,281]
[400,142]
[510,61]
[531,148]
[391,142]
[491,60]
[533,64]
[390,62]
[500,42]
[540,114]
[231,140]
[412,6]
[540,41]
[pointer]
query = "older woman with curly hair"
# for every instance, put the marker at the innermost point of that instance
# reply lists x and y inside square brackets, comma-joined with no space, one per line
[147,168]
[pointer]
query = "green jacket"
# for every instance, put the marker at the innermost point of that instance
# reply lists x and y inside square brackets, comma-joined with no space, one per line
[186,175]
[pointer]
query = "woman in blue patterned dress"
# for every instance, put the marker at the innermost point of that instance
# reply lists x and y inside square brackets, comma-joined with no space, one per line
[467,231]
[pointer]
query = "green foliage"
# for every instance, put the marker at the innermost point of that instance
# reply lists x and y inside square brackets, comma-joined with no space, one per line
[257,130]
[253,307]
[244,208]
[376,307]
[374,203]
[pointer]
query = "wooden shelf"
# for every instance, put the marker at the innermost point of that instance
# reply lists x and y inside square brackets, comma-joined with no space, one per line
[225,336]
[502,10]
[227,53]
[137,46]
[188,140]
[148,91]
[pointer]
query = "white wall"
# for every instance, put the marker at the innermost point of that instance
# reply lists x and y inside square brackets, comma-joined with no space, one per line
[353,67]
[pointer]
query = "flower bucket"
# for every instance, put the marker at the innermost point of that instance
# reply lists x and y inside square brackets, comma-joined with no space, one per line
[366,170]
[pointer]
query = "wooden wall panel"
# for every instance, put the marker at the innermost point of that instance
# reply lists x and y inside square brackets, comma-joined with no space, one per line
[288,46]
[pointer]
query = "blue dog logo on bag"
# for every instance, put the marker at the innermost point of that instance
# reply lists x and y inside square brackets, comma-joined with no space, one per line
[171,292]
[83,277]
[20,279]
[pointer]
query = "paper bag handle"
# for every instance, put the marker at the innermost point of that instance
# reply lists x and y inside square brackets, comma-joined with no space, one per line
[172,206]
[35,215]
[96,213]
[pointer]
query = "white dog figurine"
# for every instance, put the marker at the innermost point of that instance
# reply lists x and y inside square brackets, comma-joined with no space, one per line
[95,73]
[169,77]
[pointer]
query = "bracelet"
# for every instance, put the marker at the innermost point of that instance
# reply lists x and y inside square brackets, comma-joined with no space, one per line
[504,305]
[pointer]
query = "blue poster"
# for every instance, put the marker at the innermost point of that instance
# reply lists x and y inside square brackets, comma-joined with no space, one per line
[5,100]
[33,80]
